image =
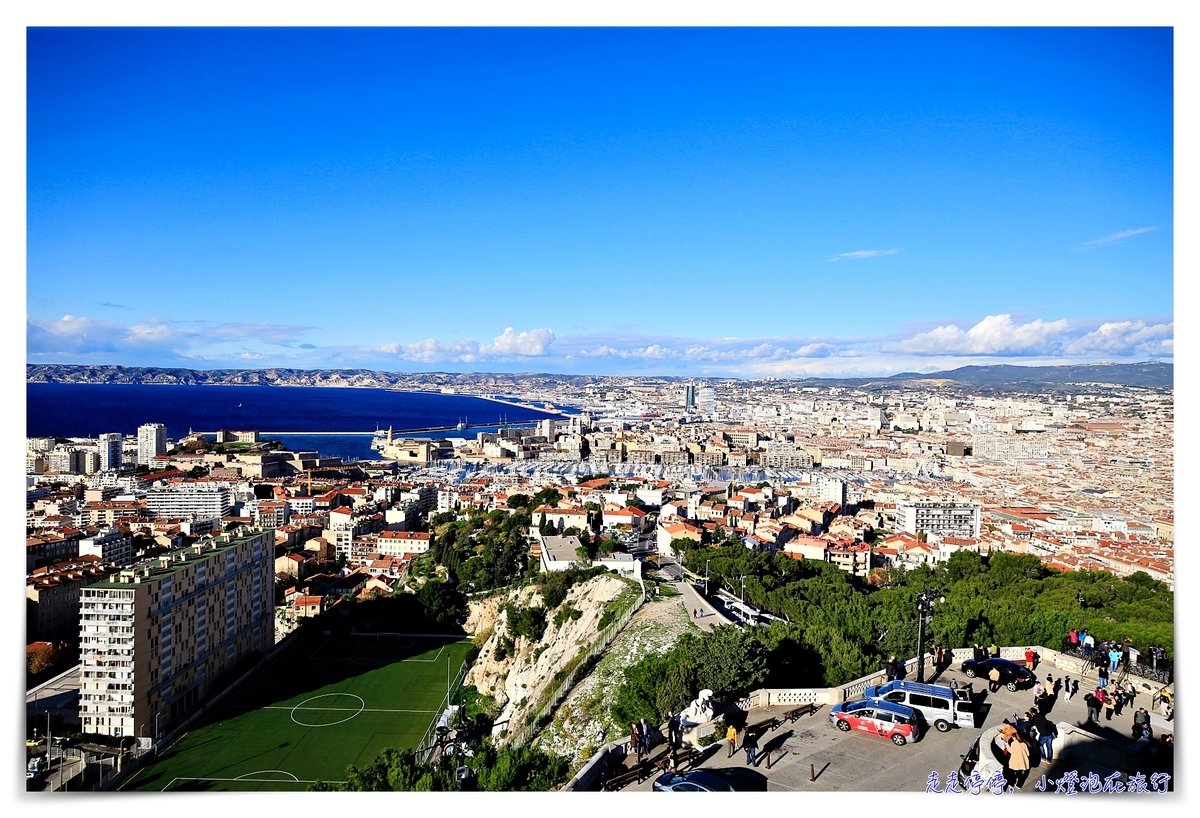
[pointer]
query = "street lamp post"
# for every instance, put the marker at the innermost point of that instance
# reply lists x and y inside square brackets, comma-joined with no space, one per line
[924,614]
[743,589]
[706,562]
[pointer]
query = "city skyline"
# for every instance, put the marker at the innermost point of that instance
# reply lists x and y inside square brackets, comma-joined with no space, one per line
[739,202]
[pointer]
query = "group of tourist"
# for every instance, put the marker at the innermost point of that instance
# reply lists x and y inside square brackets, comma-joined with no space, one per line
[979,652]
[1115,653]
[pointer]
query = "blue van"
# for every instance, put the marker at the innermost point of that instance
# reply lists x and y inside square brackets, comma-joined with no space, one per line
[941,706]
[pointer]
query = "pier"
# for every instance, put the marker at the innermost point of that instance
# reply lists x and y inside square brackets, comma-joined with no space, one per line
[524,424]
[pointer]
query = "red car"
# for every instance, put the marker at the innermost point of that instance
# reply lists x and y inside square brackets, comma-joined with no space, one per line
[878,718]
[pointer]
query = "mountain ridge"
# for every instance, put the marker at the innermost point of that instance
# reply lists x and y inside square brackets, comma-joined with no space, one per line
[1150,374]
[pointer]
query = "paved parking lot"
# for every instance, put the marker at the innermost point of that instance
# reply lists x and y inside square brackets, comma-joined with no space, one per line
[854,761]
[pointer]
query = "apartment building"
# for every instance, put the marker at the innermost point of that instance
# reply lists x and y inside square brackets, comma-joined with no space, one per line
[52,596]
[398,543]
[1011,447]
[111,448]
[151,442]
[110,545]
[936,517]
[200,501]
[155,637]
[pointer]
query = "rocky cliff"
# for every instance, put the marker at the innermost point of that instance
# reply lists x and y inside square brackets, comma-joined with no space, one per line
[517,677]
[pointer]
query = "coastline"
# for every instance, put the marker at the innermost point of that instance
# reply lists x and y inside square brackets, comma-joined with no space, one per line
[529,407]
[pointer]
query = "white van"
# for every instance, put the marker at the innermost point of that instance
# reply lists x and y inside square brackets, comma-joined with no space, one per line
[941,706]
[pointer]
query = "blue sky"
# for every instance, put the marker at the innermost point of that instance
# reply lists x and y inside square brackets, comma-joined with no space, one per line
[681,201]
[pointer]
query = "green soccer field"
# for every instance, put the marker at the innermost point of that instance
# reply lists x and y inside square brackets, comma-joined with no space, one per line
[324,703]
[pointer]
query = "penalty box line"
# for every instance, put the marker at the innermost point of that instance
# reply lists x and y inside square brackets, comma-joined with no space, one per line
[427,661]
[355,709]
[252,780]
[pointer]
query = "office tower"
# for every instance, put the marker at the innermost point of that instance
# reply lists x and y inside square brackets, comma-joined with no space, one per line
[689,397]
[154,638]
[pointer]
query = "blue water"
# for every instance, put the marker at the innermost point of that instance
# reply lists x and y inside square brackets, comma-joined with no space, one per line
[87,410]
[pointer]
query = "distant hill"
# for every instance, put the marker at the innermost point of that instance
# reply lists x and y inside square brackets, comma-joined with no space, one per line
[1149,373]
[999,377]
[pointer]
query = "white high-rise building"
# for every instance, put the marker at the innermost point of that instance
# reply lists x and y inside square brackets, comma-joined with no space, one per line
[152,441]
[110,451]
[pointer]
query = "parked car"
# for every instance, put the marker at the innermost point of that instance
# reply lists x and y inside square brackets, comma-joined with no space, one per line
[1012,675]
[941,706]
[694,781]
[879,718]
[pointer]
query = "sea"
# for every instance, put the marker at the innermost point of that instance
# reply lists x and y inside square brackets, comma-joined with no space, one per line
[88,410]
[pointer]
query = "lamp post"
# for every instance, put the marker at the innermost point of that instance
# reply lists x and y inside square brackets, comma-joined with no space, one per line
[706,562]
[743,589]
[925,602]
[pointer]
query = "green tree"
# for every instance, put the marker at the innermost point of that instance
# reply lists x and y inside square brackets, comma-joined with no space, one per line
[441,602]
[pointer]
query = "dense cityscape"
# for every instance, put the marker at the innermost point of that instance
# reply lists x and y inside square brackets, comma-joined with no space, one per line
[636,476]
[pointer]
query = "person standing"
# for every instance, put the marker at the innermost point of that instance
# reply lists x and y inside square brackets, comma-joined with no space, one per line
[994,651]
[1073,637]
[635,744]
[731,737]
[1130,692]
[1093,707]
[1106,700]
[1018,762]
[1102,675]
[1141,719]
[994,679]
[644,734]
[750,745]
[1114,658]
[892,668]
[1119,698]
[1089,643]
[1046,733]
[1067,691]
[1029,659]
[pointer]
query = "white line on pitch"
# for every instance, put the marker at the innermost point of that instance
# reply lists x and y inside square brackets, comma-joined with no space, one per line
[355,709]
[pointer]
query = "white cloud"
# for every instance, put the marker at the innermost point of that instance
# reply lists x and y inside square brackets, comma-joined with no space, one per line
[1125,339]
[509,344]
[857,254]
[1112,237]
[532,343]
[994,335]
[432,350]
[80,335]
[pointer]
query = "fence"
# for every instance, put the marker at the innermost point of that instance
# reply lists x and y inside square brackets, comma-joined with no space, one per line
[1161,671]
[581,664]
[429,740]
